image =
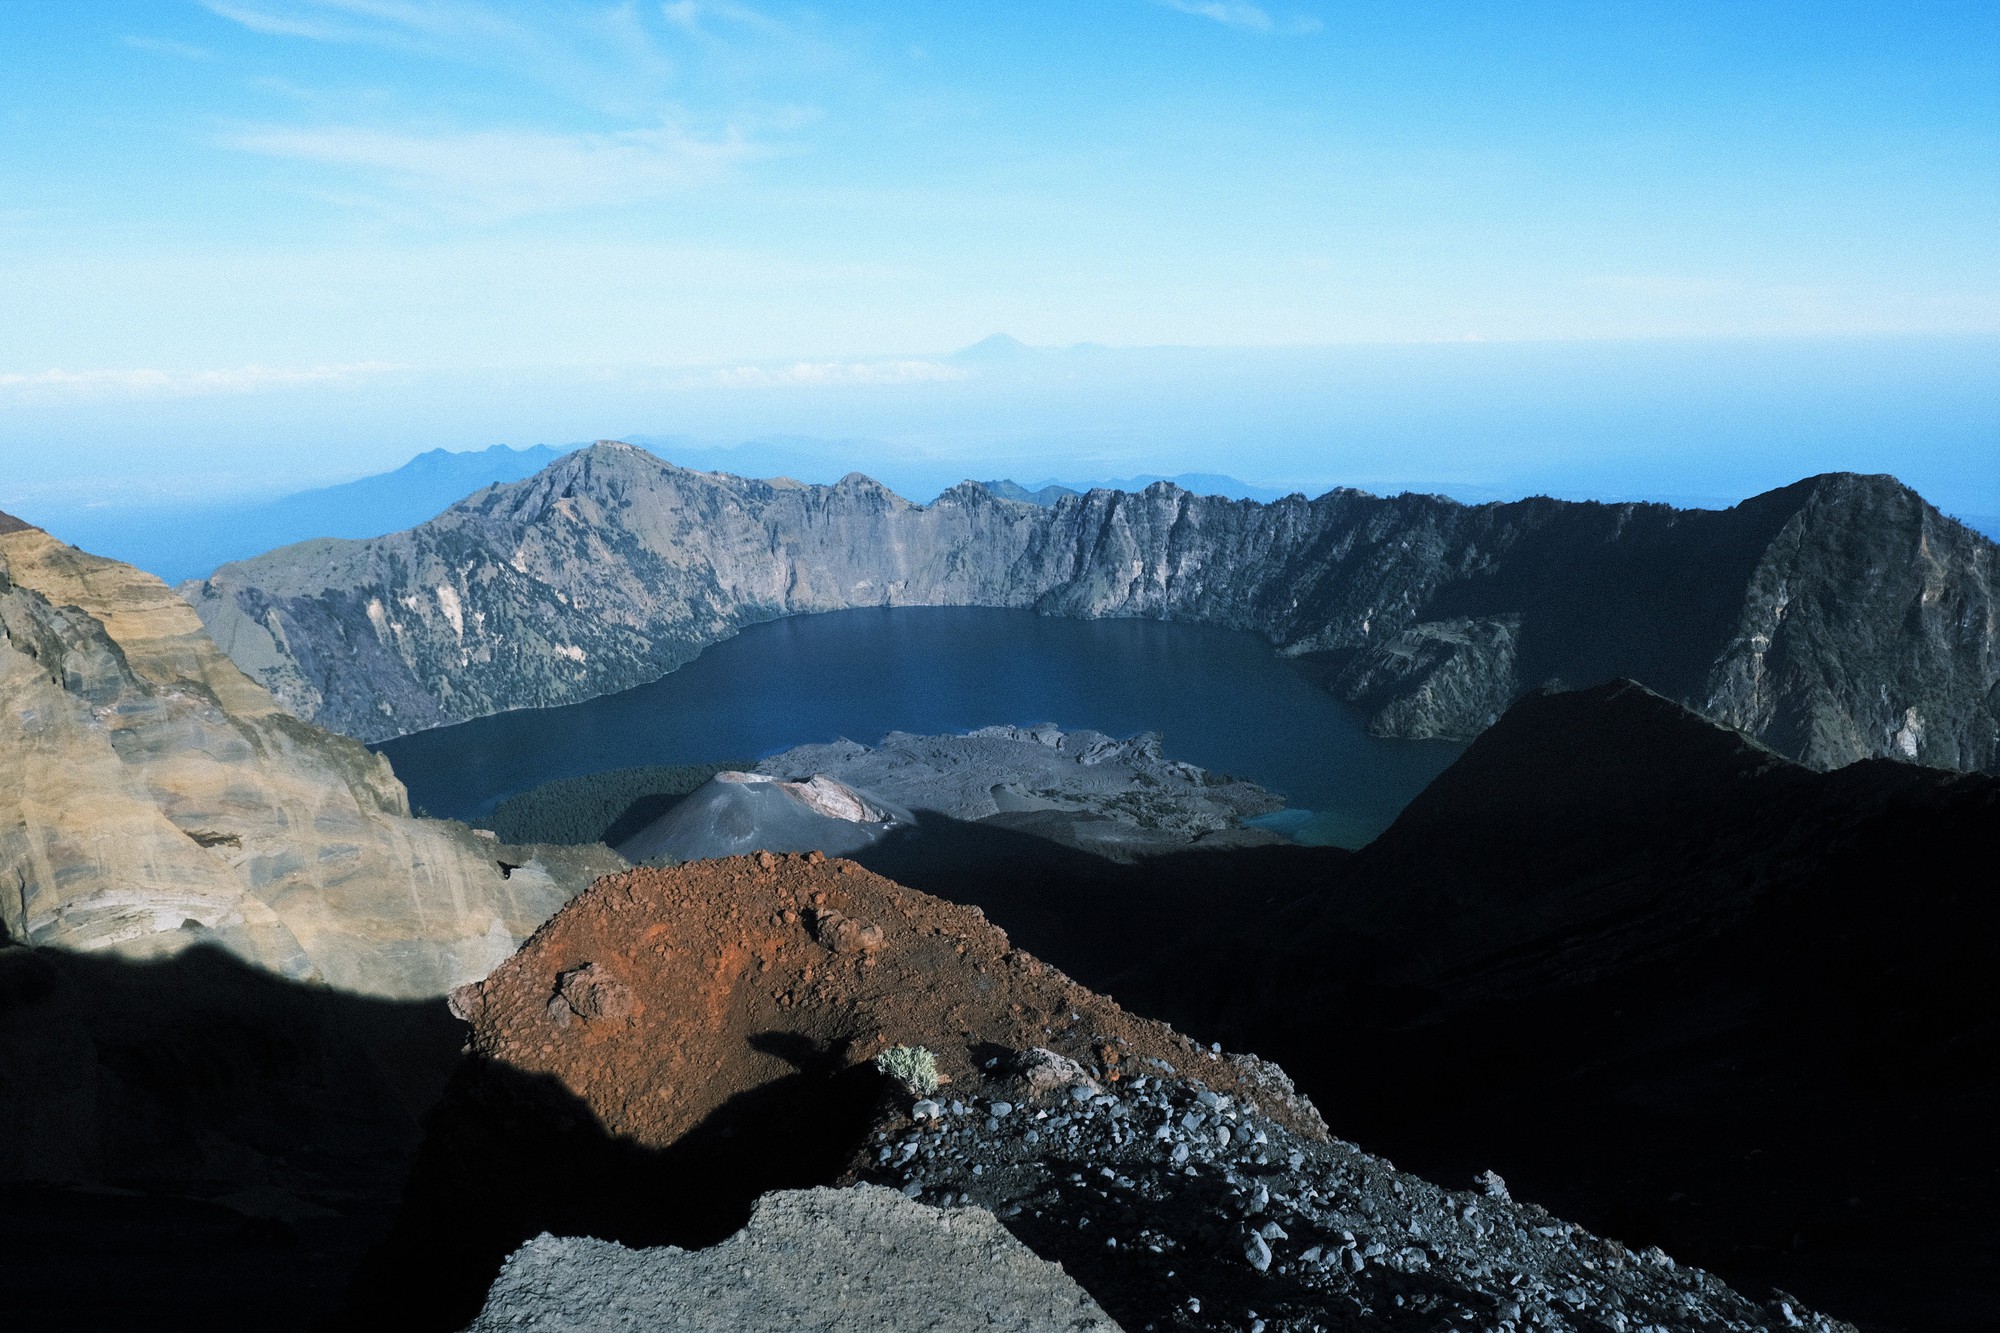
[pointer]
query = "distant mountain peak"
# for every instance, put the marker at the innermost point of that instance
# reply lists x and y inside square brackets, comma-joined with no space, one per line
[8,523]
[998,347]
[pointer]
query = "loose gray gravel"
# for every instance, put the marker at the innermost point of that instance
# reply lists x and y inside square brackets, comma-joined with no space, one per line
[1179,1208]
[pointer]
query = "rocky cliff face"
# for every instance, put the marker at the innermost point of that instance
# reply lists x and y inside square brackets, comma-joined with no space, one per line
[152,797]
[1837,618]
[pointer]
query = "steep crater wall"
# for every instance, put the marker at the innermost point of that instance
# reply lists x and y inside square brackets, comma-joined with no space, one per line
[1835,619]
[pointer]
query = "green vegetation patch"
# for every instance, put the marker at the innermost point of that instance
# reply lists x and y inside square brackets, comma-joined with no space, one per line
[606,807]
[913,1067]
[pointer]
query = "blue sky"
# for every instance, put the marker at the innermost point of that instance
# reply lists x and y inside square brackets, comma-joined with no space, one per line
[252,241]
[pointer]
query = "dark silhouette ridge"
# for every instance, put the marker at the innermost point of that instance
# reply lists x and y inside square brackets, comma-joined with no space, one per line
[1668,984]
[1653,594]
[1094,918]
[195,1143]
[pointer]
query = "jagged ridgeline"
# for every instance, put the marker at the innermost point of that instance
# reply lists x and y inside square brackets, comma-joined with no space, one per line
[1836,618]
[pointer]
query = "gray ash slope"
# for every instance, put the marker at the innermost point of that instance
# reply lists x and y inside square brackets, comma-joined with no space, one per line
[1181,1208]
[1838,618]
[1119,799]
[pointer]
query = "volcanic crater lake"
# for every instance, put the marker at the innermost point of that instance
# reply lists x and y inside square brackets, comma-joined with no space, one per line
[1219,698]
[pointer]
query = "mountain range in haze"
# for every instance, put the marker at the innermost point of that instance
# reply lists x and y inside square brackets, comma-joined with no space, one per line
[1834,619]
[188,540]
[191,539]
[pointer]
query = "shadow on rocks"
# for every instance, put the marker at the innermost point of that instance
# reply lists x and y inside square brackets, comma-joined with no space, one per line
[193,1142]
[1094,918]
[509,1155]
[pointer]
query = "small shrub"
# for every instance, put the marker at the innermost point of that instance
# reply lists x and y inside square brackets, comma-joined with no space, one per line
[913,1067]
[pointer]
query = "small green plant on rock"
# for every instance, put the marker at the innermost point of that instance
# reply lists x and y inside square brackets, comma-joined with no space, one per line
[913,1067]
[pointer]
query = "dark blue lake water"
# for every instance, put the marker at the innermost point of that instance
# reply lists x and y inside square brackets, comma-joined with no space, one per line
[1221,699]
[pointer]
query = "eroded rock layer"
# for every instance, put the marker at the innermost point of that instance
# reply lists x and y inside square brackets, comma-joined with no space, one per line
[1836,618]
[153,797]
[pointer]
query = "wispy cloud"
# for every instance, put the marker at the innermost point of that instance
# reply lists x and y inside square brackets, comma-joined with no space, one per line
[604,58]
[1255,18]
[286,24]
[828,374]
[680,91]
[494,175]
[147,383]
[375,21]
[168,47]
[695,15]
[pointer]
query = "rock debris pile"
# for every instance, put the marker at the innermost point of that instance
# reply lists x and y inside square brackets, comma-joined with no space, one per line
[1179,1207]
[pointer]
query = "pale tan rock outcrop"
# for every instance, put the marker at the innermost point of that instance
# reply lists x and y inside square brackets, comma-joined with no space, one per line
[152,797]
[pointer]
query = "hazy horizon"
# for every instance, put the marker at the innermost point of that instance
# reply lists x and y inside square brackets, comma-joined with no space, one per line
[249,246]
[1690,421]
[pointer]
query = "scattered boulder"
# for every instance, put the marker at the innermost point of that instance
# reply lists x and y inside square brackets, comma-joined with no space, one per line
[843,934]
[589,992]
[1040,1072]
[865,1259]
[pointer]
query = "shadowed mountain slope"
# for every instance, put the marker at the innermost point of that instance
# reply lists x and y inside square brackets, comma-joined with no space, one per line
[1670,983]
[1837,618]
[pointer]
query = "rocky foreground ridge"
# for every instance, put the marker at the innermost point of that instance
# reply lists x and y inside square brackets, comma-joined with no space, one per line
[1834,619]
[153,798]
[675,1042]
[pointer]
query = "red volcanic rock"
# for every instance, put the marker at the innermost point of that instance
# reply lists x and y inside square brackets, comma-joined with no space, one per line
[659,995]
